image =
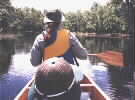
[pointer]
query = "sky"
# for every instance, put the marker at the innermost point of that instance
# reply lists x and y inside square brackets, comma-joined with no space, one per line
[64,5]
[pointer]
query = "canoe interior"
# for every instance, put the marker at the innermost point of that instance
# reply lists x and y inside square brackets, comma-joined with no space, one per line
[87,85]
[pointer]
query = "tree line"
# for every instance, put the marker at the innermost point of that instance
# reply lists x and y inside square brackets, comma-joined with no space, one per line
[111,18]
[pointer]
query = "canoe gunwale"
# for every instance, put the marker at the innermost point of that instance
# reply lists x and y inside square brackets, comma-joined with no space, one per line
[87,85]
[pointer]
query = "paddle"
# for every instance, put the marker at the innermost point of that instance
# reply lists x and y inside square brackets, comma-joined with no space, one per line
[111,57]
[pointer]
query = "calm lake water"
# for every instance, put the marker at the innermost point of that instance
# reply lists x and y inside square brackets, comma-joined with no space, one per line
[115,82]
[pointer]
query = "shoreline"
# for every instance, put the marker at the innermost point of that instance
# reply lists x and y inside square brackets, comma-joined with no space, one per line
[7,36]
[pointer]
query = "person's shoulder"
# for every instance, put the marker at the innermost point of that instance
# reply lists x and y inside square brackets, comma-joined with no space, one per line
[40,37]
[72,35]
[68,31]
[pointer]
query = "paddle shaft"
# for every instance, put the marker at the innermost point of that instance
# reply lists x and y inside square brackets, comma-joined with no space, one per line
[111,57]
[92,54]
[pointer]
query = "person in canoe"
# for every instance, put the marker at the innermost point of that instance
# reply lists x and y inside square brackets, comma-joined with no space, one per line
[55,41]
[55,80]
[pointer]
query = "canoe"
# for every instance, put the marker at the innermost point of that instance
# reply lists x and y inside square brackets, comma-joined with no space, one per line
[88,86]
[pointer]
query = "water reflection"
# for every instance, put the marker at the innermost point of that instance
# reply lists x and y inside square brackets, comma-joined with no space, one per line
[23,44]
[102,78]
[122,83]
[6,52]
[10,85]
[19,69]
[19,74]
[112,81]
[116,82]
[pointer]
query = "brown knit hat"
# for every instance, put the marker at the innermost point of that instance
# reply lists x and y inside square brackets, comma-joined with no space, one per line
[53,76]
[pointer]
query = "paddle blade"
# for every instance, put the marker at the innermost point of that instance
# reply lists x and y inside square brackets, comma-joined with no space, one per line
[112,57]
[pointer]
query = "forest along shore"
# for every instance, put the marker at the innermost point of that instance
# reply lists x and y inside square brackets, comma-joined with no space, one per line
[7,36]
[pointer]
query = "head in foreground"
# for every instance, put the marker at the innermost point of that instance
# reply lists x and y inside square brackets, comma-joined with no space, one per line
[55,81]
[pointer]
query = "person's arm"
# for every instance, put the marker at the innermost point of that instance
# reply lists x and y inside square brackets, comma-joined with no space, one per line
[78,50]
[36,51]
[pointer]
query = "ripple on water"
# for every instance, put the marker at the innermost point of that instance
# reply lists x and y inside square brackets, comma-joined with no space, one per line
[19,74]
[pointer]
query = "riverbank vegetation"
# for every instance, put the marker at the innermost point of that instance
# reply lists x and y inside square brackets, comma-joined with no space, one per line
[111,18]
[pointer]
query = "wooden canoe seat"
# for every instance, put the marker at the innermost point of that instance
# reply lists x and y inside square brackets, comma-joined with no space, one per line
[86,91]
[86,87]
[90,90]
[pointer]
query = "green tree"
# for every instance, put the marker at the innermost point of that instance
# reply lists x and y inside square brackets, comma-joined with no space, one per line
[99,19]
[6,16]
[90,25]
[28,20]
[70,22]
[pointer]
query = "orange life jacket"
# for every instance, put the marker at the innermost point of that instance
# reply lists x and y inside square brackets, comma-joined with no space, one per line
[60,46]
